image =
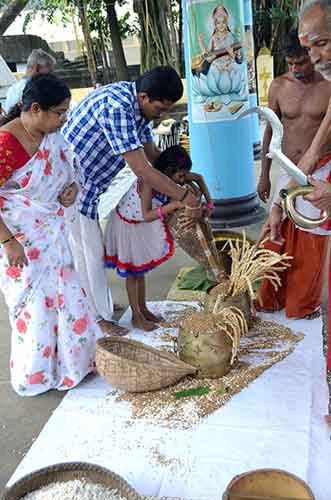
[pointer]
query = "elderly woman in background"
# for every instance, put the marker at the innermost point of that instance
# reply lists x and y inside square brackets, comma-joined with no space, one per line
[53,332]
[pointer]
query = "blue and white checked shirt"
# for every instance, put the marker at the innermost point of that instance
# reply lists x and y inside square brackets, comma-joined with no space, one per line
[104,125]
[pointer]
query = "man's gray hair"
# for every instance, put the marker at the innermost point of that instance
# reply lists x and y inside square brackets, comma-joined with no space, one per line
[309,4]
[40,57]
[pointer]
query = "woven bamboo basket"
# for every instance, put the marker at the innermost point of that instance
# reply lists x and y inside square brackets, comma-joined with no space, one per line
[135,367]
[268,484]
[189,241]
[69,472]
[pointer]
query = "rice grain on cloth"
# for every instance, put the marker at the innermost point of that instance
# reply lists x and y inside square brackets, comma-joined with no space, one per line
[75,489]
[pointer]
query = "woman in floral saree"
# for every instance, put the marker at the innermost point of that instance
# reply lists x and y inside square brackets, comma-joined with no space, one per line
[53,332]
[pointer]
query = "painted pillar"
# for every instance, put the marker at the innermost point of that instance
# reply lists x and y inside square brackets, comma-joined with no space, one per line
[250,52]
[217,90]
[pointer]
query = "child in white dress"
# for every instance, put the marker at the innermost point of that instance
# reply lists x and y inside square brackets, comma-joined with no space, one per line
[137,237]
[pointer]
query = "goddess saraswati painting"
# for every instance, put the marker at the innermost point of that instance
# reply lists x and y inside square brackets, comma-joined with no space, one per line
[218,63]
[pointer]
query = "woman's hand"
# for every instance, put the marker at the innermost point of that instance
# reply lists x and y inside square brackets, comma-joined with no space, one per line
[15,254]
[68,196]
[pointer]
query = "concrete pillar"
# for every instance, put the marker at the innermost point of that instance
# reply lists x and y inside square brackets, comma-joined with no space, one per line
[248,17]
[217,89]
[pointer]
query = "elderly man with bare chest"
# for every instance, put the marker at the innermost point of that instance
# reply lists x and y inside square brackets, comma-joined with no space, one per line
[300,98]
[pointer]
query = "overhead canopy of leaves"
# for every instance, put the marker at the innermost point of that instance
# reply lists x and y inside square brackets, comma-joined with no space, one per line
[273,19]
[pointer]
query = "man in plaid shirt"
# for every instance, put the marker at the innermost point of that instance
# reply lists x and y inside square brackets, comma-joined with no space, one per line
[108,129]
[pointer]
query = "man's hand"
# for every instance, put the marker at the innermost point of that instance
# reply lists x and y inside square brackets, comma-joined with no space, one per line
[68,196]
[272,227]
[321,196]
[264,187]
[309,161]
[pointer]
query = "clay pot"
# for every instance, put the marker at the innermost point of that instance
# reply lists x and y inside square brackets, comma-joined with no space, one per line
[268,484]
[242,302]
[202,343]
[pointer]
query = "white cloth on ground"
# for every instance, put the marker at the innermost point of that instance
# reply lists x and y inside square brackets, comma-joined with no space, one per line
[277,421]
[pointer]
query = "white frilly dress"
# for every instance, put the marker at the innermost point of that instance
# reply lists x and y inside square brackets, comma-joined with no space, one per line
[134,247]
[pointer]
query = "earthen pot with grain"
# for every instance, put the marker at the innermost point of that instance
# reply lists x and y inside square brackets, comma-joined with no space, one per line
[242,301]
[204,344]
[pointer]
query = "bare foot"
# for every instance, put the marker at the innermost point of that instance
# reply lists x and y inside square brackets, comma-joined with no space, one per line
[143,324]
[313,315]
[118,307]
[111,328]
[152,317]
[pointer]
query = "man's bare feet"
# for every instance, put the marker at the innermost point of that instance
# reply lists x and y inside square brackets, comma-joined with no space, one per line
[143,324]
[112,328]
[152,317]
[313,315]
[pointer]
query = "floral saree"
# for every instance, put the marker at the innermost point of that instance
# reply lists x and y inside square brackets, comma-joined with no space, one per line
[53,331]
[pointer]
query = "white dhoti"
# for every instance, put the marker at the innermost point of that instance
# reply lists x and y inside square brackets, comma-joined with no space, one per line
[87,246]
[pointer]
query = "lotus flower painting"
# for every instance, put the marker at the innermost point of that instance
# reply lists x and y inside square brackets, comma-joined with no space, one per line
[219,76]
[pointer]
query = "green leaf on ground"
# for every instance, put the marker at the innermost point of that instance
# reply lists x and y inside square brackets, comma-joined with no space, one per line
[195,391]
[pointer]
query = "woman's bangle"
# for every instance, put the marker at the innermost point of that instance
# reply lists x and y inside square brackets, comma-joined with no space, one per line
[211,206]
[3,242]
[160,214]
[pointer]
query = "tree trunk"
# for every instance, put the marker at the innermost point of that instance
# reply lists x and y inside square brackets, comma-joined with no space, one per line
[92,67]
[13,9]
[180,40]
[122,71]
[172,35]
[103,50]
[154,34]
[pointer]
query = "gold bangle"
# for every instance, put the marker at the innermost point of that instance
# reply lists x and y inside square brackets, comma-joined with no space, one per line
[7,240]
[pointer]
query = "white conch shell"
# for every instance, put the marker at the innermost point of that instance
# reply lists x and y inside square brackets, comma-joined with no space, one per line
[275,148]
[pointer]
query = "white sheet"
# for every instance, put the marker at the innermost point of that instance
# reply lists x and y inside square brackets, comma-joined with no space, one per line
[276,422]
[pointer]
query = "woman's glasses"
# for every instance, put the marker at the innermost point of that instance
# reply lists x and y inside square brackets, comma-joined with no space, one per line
[61,114]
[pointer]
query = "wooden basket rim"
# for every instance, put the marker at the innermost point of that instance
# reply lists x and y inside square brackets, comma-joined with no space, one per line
[227,493]
[49,473]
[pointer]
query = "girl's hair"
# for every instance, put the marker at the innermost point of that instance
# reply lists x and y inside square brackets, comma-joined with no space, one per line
[172,160]
[46,90]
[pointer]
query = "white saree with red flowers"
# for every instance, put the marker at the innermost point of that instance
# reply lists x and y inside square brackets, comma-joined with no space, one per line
[53,332]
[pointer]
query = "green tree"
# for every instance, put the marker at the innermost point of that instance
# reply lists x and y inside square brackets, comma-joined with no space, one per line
[91,61]
[273,19]
[98,17]
[122,71]
[157,34]
[11,10]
